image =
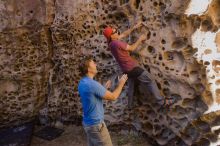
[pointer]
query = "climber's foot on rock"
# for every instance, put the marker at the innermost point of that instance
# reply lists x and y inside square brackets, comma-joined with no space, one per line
[167,102]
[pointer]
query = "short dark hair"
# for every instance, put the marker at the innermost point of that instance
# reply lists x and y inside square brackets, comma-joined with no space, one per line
[84,65]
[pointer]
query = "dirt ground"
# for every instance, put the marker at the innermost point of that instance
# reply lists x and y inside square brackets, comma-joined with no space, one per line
[75,136]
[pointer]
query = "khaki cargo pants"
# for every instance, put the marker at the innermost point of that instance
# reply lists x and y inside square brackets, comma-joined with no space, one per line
[98,135]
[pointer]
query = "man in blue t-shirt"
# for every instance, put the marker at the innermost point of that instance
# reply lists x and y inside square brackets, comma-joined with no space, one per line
[92,94]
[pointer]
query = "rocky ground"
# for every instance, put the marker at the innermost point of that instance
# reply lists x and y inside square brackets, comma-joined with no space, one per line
[75,136]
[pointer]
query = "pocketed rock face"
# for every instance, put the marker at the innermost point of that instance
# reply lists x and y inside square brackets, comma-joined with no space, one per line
[40,58]
[26,59]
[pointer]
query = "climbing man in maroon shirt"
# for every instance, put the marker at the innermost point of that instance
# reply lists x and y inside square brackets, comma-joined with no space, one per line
[121,52]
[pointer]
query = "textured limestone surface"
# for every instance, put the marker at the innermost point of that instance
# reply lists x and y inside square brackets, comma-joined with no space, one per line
[43,41]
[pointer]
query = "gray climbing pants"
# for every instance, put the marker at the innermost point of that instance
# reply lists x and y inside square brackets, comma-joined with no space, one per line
[145,81]
[98,135]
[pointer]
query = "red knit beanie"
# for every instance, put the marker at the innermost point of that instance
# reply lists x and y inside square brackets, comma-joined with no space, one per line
[108,32]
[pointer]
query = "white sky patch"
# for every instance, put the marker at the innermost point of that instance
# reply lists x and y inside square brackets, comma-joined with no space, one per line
[218,142]
[215,128]
[197,7]
[215,144]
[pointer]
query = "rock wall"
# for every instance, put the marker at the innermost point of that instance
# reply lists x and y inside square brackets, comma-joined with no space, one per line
[42,43]
[26,52]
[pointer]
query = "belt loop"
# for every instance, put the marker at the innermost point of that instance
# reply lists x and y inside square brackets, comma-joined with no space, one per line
[103,124]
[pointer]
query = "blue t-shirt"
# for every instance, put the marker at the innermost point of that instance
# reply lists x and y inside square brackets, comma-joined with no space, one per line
[91,93]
